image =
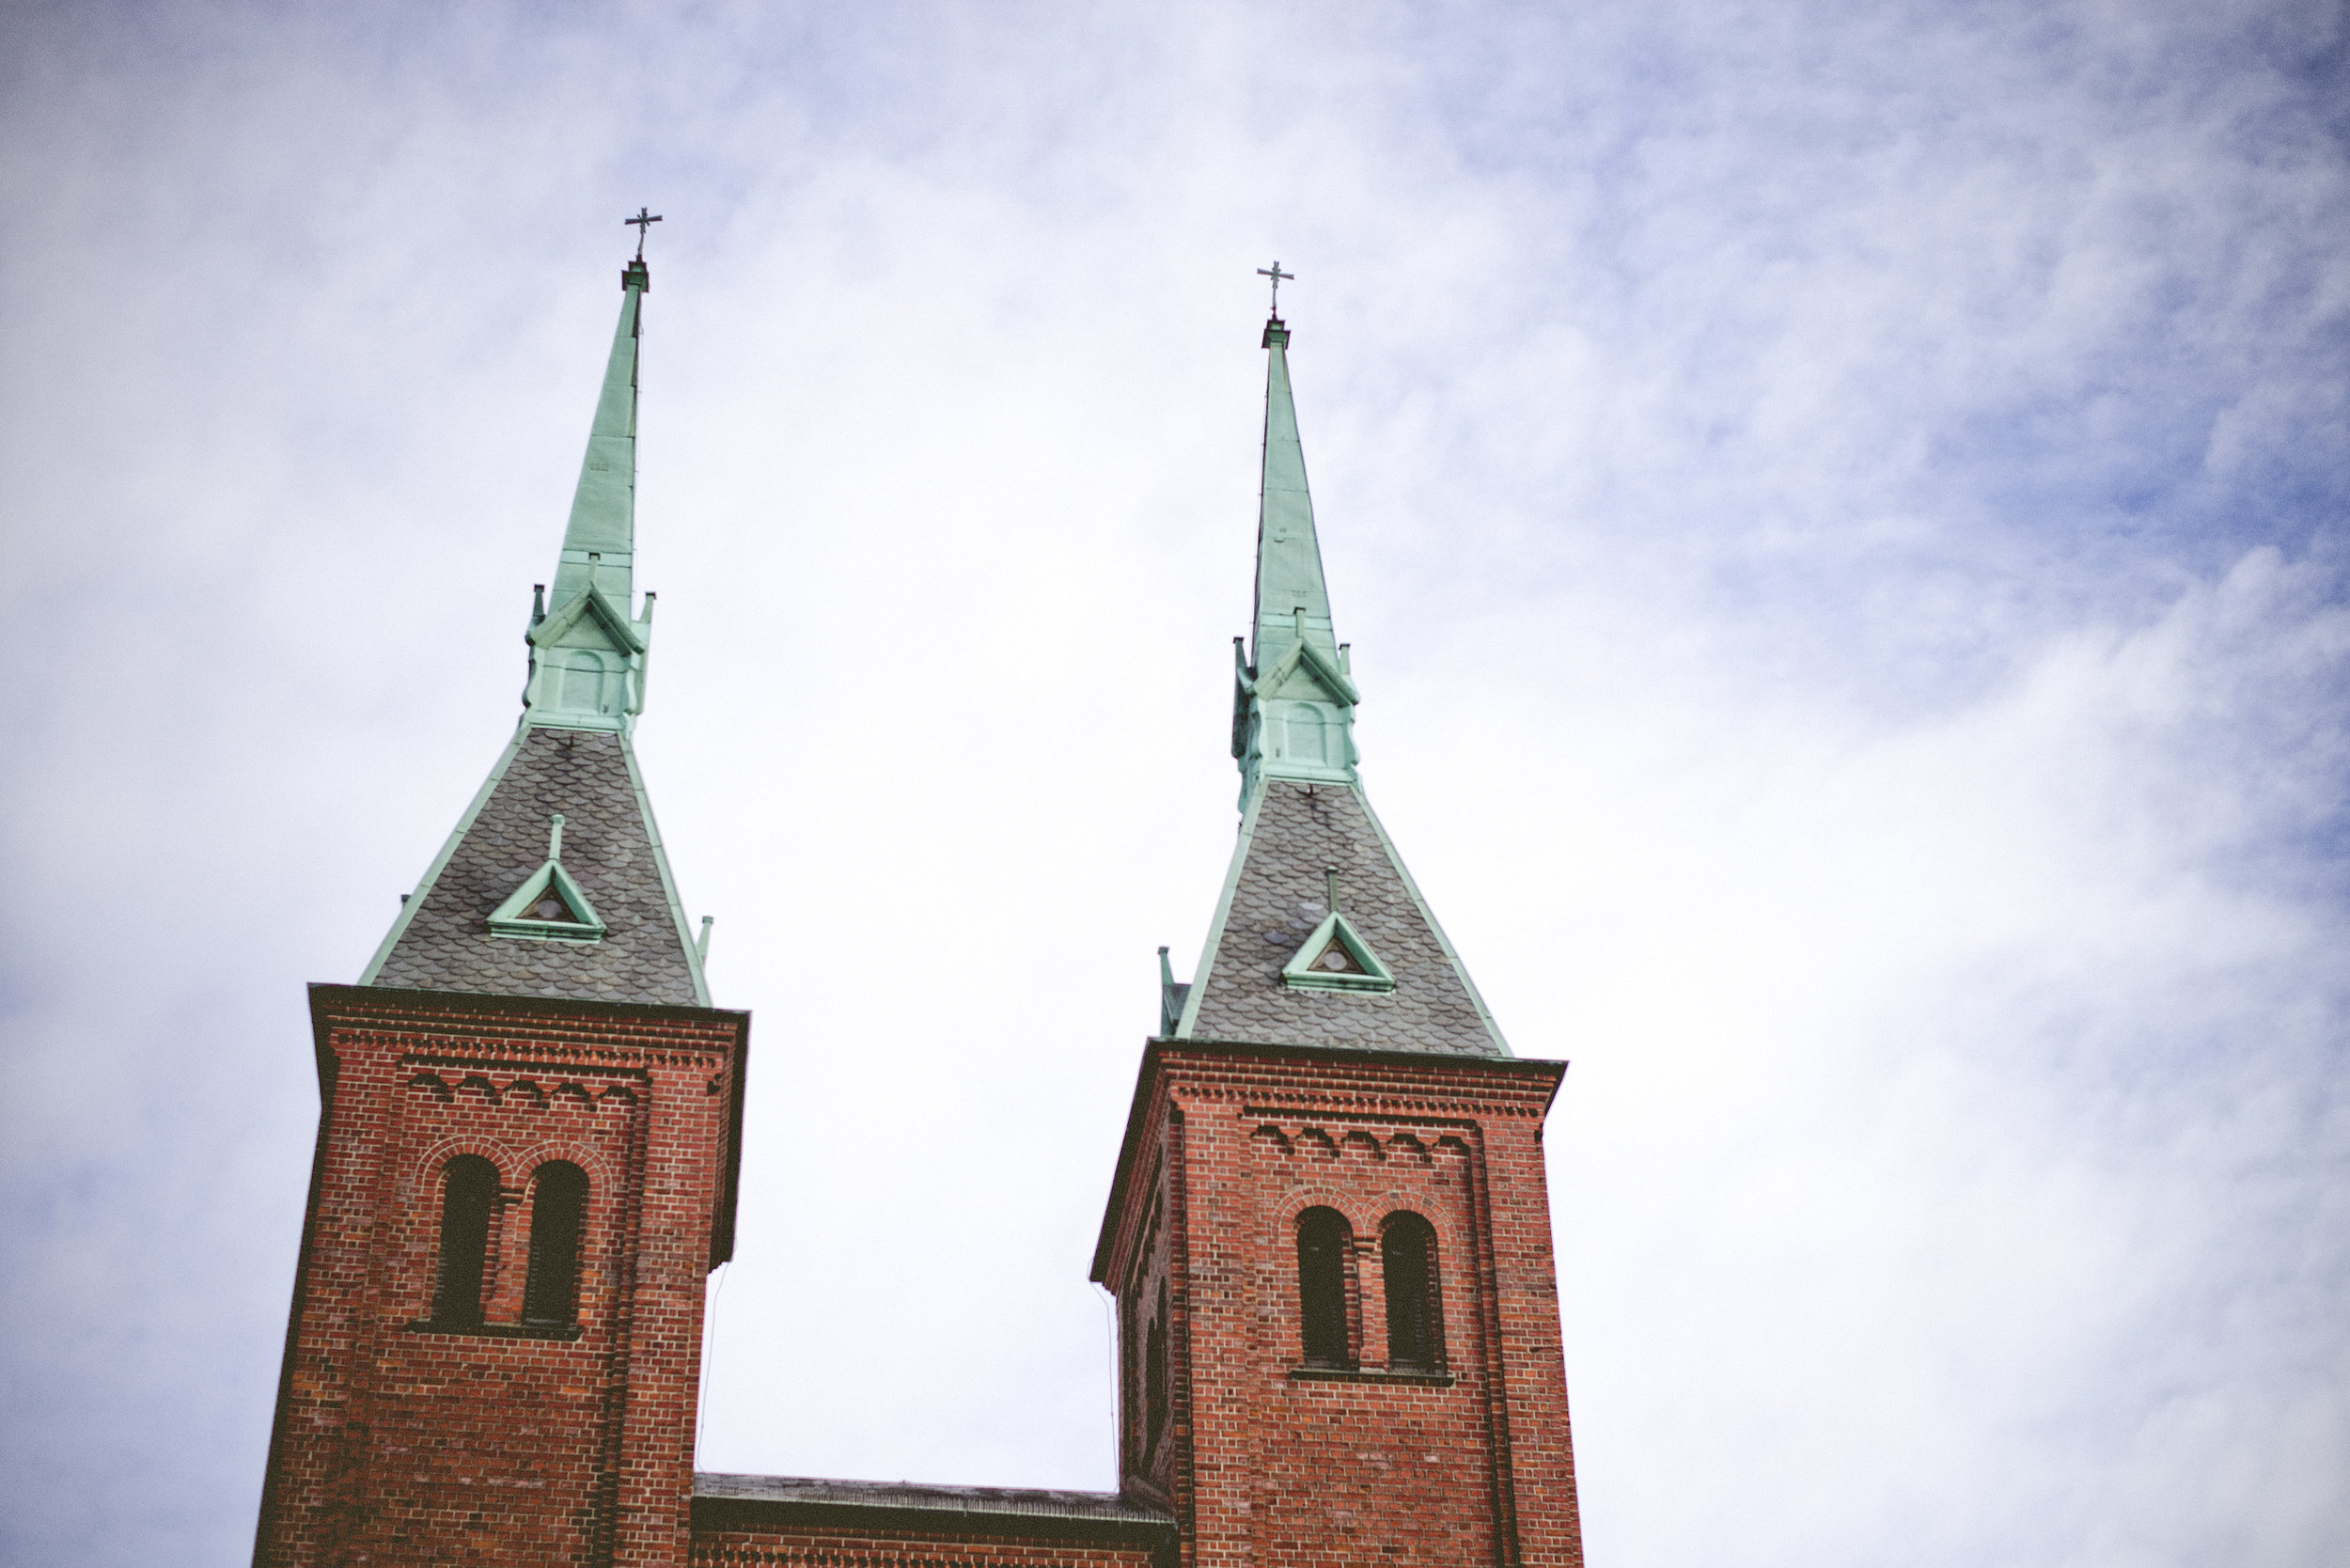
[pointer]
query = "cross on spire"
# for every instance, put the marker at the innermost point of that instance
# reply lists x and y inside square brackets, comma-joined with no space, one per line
[1278,276]
[646,217]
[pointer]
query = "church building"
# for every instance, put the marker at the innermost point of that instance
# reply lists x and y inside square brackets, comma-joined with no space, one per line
[1327,1233]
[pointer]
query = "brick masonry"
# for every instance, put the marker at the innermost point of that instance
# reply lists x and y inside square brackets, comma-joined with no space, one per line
[1264,1461]
[399,1442]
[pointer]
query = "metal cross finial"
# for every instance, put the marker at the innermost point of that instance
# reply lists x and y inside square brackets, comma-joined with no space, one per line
[646,217]
[1277,275]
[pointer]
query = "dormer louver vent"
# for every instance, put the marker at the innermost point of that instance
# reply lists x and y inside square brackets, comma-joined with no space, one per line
[549,905]
[1336,958]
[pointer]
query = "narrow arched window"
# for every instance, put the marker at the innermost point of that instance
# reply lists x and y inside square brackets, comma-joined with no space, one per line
[469,1194]
[1322,1239]
[559,1204]
[1407,1259]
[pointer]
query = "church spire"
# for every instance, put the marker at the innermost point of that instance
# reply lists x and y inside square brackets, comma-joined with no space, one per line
[587,649]
[507,906]
[1320,937]
[1293,699]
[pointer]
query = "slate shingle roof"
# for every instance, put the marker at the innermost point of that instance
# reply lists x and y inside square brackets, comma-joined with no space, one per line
[1279,894]
[608,849]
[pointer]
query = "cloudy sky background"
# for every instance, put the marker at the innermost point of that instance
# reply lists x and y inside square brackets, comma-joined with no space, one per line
[1841,512]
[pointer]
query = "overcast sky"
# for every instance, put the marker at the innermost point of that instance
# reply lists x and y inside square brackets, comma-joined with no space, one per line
[1841,512]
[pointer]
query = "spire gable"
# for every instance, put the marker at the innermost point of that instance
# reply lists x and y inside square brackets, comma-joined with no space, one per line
[1293,701]
[586,654]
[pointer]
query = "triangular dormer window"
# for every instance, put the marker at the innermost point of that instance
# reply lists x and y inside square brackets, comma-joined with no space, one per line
[549,905]
[1336,958]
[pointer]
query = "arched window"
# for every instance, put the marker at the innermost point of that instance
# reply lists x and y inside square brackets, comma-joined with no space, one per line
[469,1194]
[1322,1240]
[1407,1259]
[559,1203]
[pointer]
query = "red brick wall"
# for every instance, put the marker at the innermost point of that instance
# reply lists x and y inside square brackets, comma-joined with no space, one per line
[1276,1465]
[398,1444]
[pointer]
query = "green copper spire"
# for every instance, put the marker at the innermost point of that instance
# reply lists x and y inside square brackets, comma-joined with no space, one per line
[587,655]
[600,920]
[1294,700]
[1321,938]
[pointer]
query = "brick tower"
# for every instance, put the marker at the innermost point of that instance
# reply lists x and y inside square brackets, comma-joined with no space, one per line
[529,1131]
[1328,1234]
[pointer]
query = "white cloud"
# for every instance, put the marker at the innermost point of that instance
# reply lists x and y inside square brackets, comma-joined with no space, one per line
[1855,499]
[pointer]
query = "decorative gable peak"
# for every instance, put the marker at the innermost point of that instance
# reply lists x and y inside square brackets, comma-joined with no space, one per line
[586,662]
[549,905]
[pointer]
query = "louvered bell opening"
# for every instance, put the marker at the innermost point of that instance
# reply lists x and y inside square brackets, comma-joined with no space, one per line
[469,1193]
[1322,1239]
[558,1207]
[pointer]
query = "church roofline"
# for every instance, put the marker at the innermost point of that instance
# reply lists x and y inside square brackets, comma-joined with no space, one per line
[1156,1051]
[882,1507]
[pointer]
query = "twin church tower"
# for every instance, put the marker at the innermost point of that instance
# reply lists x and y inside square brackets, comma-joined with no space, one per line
[1327,1234]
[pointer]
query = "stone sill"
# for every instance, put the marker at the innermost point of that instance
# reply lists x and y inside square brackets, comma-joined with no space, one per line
[1336,1374]
[495,1331]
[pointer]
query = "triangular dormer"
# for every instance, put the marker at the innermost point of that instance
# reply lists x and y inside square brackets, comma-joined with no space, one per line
[549,905]
[1336,958]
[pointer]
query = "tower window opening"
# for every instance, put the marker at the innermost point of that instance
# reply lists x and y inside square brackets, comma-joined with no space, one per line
[1323,1239]
[1407,1257]
[469,1195]
[558,1205]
